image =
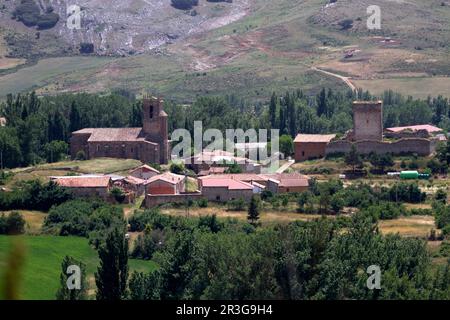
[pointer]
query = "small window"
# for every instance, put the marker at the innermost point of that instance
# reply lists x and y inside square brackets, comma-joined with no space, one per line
[303,153]
[218,198]
[367,121]
[151,112]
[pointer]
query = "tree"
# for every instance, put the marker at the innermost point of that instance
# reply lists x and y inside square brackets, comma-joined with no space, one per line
[273,111]
[253,210]
[441,196]
[74,118]
[177,168]
[10,153]
[145,286]
[112,274]
[353,158]
[66,293]
[381,161]
[321,99]
[286,145]
[56,150]
[337,203]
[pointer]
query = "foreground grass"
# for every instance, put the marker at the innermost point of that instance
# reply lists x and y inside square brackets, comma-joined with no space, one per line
[42,266]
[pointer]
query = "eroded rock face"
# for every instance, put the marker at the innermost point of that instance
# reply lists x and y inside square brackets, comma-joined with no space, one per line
[128,27]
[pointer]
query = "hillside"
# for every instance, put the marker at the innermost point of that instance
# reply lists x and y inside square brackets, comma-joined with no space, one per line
[248,47]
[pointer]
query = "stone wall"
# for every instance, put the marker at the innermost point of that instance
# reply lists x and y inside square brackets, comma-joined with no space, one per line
[223,194]
[309,150]
[78,142]
[152,200]
[420,146]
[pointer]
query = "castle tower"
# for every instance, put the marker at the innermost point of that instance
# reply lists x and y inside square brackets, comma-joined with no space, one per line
[368,120]
[155,125]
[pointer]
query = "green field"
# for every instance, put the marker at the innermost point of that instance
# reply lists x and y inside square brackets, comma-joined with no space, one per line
[46,71]
[415,87]
[43,256]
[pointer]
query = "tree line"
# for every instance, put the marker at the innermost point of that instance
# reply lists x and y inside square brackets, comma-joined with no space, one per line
[321,259]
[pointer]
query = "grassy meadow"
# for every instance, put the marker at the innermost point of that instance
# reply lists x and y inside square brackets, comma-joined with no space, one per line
[42,263]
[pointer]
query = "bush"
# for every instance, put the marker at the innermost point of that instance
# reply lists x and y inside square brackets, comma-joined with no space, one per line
[81,155]
[47,20]
[86,48]
[236,205]
[118,194]
[202,203]
[12,224]
[177,168]
[33,195]
[184,4]
[152,218]
[84,218]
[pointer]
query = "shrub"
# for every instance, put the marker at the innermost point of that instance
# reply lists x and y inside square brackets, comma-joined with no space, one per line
[86,48]
[203,203]
[236,205]
[81,155]
[177,168]
[12,224]
[47,20]
[118,194]
[184,4]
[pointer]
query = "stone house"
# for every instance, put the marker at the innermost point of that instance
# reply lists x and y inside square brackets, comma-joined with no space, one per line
[311,146]
[144,172]
[166,183]
[86,186]
[225,189]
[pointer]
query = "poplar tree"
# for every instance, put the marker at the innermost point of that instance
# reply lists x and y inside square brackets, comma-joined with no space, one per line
[66,293]
[112,274]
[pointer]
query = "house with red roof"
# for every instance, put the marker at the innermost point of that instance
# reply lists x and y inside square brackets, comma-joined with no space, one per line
[144,172]
[166,183]
[86,186]
[225,189]
[311,146]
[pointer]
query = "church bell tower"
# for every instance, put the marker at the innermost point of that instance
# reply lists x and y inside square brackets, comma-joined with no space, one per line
[155,125]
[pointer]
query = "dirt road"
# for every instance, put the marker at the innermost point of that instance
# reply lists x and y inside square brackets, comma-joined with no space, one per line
[345,79]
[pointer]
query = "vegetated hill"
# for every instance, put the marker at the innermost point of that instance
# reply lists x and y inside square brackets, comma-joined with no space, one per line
[119,27]
[253,47]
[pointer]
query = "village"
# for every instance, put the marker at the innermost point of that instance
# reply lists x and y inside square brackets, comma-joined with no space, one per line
[221,176]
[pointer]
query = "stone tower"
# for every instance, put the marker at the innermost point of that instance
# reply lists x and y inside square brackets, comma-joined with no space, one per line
[368,120]
[155,126]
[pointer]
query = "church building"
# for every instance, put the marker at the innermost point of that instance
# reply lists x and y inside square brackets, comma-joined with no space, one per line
[148,144]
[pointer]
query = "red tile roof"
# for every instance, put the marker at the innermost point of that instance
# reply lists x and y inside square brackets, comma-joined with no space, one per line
[134,180]
[427,127]
[283,179]
[167,177]
[145,168]
[83,182]
[112,134]
[322,138]
[230,184]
